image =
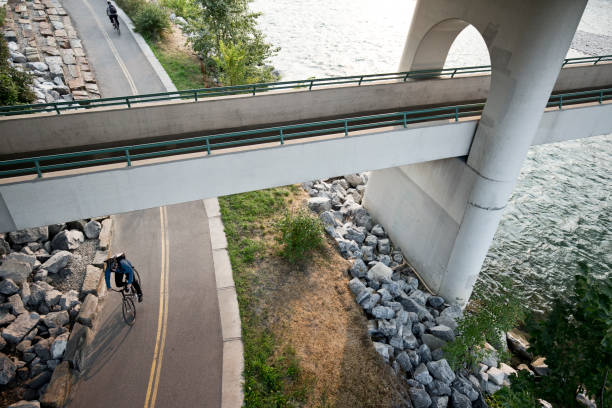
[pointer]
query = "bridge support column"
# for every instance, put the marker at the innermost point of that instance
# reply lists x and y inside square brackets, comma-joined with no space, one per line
[443,214]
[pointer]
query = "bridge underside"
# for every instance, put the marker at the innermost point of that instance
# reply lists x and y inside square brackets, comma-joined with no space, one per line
[64,196]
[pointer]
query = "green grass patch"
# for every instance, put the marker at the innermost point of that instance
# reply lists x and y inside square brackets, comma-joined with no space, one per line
[272,375]
[183,68]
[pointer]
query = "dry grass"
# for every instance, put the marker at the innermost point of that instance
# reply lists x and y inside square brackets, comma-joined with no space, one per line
[311,310]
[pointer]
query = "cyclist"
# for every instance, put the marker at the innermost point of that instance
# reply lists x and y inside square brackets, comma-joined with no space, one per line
[111,12]
[122,267]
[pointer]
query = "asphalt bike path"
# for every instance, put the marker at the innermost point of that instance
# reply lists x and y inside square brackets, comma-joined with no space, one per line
[119,65]
[172,355]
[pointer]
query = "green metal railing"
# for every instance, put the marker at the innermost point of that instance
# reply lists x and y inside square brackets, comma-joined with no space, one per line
[128,154]
[253,89]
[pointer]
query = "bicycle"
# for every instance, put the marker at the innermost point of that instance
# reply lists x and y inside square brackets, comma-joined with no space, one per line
[128,306]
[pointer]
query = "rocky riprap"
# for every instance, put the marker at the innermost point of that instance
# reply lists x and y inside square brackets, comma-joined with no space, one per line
[408,326]
[45,275]
[42,41]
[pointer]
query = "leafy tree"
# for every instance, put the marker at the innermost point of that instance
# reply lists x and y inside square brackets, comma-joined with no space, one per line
[576,339]
[232,64]
[488,318]
[230,22]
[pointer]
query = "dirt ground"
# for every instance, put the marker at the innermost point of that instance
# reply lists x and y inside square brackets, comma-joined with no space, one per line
[311,309]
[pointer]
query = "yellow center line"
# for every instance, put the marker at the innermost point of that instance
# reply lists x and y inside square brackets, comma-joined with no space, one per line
[162,320]
[165,324]
[113,49]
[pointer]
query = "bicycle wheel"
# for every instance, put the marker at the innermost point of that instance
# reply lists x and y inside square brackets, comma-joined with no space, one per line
[129,310]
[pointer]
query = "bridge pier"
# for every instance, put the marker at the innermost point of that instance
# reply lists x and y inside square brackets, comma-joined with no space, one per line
[443,214]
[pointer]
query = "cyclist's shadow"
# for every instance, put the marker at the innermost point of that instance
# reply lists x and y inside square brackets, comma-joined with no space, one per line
[108,339]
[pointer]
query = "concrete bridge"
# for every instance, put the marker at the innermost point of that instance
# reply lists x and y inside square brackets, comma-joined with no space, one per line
[446,152]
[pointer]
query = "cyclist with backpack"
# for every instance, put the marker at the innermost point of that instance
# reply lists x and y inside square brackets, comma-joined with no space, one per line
[111,12]
[122,268]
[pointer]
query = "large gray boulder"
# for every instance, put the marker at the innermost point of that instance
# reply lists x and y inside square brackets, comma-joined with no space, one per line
[421,374]
[464,386]
[15,270]
[8,287]
[6,317]
[59,346]
[319,204]
[69,299]
[17,330]
[29,235]
[354,179]
[419,397]
[7,369]
[458,400]
[380,273]
[5,248]
[413,306]
[67,240]
[440,370]
[358,270]
[52,297]
[443,332]
[57,262]
[21,257]
[17,304]
[43,349]
[56,319]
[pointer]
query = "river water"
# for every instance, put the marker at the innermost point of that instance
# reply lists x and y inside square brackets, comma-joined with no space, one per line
[560,212]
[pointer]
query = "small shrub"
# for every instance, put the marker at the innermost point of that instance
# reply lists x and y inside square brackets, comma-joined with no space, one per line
[151,21]
[493,315]
[300,234]
[131,7]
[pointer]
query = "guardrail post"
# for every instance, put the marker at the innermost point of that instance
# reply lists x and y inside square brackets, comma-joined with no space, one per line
[564,62]
[360,79]
[405,123]
[127,101]
[598,59]
[195,95]
[37,164]
[281,137]
[454,72]
[310,87]
[254,89]
[601,97]
[456,114]
[208,145]
[56,108]
[561,102]
[127,156]
[345,127]
[406,76]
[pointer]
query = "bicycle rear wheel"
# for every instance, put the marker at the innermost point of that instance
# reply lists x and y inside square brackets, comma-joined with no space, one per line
[129,310]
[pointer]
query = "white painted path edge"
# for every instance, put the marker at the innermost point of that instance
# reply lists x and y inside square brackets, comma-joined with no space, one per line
[232,394]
